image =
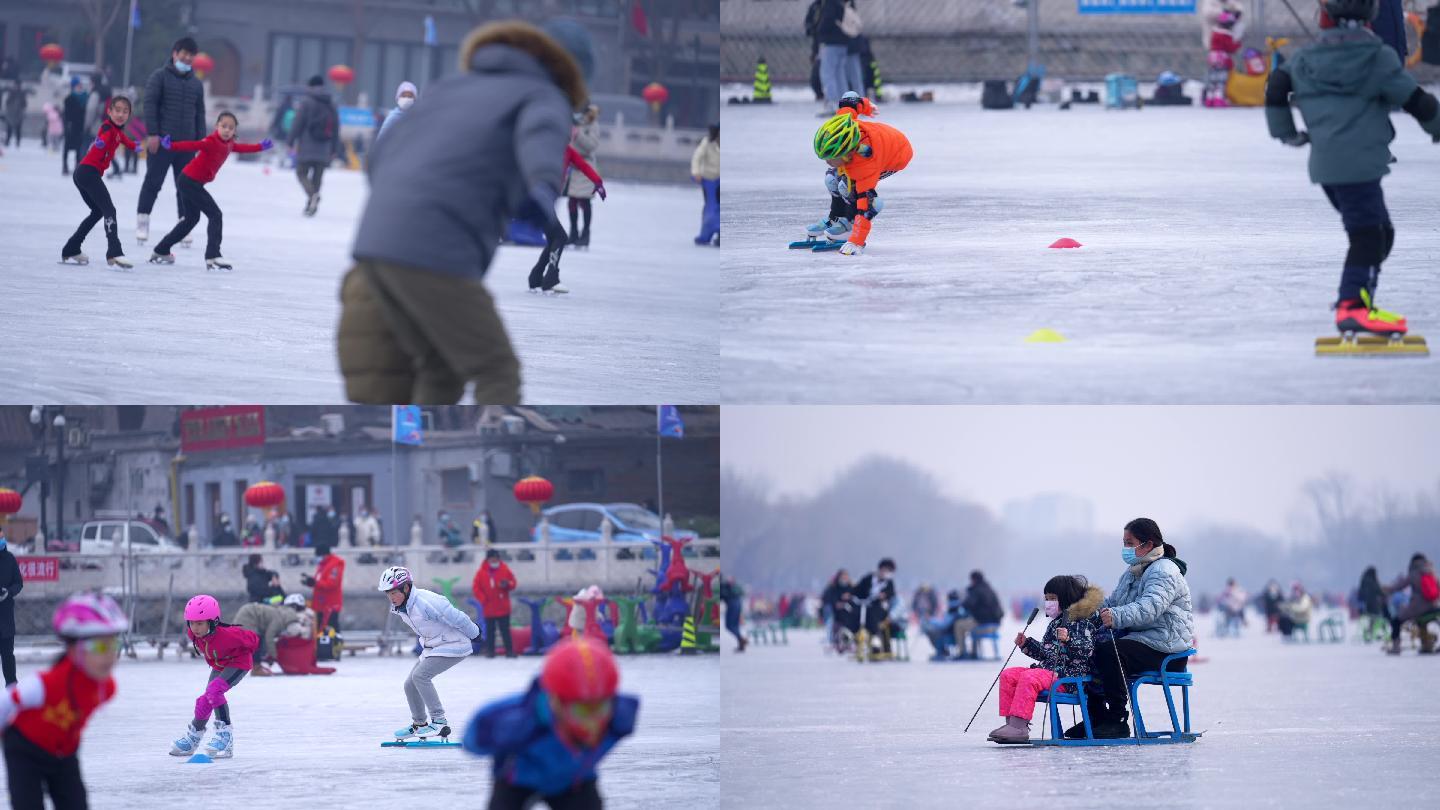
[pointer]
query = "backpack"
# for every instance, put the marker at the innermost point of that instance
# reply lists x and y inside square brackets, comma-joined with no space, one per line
[322,128]
[996,96]
[329,645]
[1429,587]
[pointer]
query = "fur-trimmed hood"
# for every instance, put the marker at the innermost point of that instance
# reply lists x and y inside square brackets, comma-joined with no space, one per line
[1086,605]
[528,39]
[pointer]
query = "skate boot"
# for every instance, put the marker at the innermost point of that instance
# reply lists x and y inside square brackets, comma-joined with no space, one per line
[1352,316]
[162,258]
[558,289]
[75,258]
[442,725]
[412,730]
[187,242]
[816,231]
[186,745]
[142,228]
[119,262]
[1014,731]
[839,230]
[219,264]
[584,241]
[221,746]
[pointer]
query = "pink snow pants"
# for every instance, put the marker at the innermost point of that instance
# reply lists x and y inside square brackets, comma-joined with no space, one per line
[1018,688]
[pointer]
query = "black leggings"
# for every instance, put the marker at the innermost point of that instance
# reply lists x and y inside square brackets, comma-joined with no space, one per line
[92,190]
[156,165]
[7,658]
[585,796]
[33,771]
[197,201]
[576,206]
[501,625]
[1137,657]
[310,172]
[546,272]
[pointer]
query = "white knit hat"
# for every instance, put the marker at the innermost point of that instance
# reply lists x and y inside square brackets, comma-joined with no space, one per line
[406,86]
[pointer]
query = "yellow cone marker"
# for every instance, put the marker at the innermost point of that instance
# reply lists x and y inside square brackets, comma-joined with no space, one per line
[1045,336]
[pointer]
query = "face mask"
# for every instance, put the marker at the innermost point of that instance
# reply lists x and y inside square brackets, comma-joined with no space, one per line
[495,564]
[404,102]
[1052,609]
[181,66]
[1128,555]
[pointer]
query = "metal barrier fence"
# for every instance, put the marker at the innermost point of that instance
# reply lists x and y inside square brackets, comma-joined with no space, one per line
[919,41]
[153,587]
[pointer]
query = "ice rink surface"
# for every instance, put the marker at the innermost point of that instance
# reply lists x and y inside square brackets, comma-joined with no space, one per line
[1315,726]
[299,739]
[1208,269]
[638,326]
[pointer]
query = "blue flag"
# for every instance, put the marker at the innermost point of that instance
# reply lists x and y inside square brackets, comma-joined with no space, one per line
[135,14]
[668,422]
[407,424]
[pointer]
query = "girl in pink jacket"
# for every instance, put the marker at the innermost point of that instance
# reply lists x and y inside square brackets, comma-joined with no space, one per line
[229,650]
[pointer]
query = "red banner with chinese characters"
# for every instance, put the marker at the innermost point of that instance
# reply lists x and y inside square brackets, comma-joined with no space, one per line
[39,569]
[222,428]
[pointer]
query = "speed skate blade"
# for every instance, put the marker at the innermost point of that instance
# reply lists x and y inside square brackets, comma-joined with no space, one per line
[1370,345]
[419,744]
[827,247]
[806,244]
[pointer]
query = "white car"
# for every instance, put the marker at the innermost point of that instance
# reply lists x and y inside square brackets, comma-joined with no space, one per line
[111,536]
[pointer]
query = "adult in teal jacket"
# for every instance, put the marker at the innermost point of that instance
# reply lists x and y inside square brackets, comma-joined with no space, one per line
[1151,616]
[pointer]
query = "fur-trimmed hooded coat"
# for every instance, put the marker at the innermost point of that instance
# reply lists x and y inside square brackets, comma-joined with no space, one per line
[1069,659]
[471,151]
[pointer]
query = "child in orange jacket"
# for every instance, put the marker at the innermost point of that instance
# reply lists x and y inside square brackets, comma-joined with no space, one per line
[860,154]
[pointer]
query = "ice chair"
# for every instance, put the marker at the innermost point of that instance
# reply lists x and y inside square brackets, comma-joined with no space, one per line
[986,632]
[1164,679]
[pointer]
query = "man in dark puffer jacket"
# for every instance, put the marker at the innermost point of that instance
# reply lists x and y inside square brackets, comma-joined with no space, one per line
[175,106]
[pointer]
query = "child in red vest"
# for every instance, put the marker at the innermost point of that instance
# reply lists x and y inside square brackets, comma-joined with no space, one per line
[44,714]
[89,179]
[229,650]
[210,154]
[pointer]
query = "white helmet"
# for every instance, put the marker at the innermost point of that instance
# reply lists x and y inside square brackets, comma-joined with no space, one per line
[394,577]
[295,600]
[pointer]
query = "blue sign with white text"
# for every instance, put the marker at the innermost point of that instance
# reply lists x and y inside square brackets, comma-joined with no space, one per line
[1137,6]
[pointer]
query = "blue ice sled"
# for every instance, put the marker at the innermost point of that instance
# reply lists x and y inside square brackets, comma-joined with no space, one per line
[1164,678]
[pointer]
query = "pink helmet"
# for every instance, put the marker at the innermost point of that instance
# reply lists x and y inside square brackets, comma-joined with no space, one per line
[202,608]
[86,614]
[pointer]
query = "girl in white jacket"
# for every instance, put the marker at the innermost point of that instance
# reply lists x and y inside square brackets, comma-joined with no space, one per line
[445,633]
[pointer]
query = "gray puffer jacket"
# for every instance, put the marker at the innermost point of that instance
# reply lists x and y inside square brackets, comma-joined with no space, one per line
[175,105]
[1154,608]
[470,152]
[315,133]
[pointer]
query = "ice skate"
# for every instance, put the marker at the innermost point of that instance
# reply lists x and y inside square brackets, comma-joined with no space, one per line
[142,228]
[186,745]
[1367,329]
[119,263]
[558,289]
[219,264]
[221,746]
[814,234]
[75,258]
[162,258]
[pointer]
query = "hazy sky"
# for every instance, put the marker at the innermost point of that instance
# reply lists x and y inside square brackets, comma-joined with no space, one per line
[1175,464]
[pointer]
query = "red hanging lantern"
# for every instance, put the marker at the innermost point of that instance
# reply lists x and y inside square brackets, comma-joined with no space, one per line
[10,501]
[265,495]
[52,54]
[341,75]
[203,64]
[656,94]
[534,491]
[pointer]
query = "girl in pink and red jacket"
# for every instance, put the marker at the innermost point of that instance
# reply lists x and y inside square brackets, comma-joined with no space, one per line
[229,650]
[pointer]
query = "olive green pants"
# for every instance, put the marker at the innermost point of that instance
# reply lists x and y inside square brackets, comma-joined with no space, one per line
[414,336]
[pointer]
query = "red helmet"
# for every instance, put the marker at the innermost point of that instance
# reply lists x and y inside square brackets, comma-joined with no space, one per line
[580,670]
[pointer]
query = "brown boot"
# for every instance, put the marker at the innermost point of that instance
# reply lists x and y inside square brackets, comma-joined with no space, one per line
[1014,732]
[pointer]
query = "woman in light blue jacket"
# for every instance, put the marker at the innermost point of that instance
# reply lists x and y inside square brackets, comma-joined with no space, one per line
[404,97]
[1151,616]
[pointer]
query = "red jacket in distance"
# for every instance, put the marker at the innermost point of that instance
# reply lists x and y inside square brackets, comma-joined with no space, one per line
[113,136]
[70,697]
[492,588]
[329,577]
[227,646]
[210,153]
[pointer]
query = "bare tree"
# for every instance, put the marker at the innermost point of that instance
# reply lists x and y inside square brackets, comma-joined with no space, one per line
[101,14]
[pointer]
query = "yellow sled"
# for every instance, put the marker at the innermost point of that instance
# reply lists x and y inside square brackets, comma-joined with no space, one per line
[1409,345]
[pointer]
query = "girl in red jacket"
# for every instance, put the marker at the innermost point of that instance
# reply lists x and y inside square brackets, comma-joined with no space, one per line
[210,155]
[43,715]
[328,583]
[545,276]
[89,179]
[492,586]
[229,650]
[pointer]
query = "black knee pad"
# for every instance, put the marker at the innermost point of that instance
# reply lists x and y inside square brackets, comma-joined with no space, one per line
[1367,246]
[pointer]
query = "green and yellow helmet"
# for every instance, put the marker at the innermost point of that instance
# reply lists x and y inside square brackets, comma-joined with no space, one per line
[837,137]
